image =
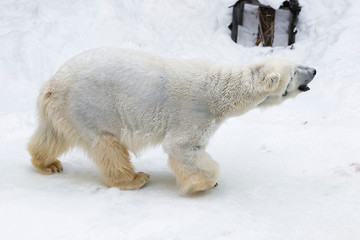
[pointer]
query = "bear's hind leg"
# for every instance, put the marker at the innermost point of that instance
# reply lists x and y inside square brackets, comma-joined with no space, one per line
[113,159]
[44,147]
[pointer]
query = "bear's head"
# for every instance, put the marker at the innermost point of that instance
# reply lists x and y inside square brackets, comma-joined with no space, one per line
[284,79]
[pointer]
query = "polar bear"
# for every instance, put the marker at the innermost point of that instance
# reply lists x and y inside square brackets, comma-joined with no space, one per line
[111,101]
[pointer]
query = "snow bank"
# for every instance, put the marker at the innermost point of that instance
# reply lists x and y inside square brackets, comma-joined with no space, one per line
[290,172]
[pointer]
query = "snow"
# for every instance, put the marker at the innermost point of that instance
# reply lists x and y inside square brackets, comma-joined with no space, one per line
[288,172]
[272,3]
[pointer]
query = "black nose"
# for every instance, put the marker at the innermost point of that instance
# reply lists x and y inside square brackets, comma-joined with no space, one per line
[314,72]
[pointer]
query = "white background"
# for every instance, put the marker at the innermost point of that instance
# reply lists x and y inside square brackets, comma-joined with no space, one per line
[289,172]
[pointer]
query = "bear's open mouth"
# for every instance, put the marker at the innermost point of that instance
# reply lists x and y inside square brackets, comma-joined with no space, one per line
[304,88]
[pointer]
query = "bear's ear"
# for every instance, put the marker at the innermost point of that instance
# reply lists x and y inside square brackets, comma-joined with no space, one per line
[271,81]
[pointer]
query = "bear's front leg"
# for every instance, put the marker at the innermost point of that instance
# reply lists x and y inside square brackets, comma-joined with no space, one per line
[195,170]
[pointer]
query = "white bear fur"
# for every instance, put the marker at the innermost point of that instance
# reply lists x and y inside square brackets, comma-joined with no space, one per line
[109,101]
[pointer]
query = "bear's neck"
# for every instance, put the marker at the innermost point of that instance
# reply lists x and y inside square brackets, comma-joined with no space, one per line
[233,90]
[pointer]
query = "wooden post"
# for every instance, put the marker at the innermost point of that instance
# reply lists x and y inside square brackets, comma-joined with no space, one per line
[237,19]
[295,10]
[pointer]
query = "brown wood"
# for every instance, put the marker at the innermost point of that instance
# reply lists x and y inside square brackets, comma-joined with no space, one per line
[266,16]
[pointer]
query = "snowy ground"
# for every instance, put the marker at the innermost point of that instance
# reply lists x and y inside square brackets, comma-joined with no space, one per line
[289,172]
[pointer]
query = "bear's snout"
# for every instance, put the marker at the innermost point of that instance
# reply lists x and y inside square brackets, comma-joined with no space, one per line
[308,75]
